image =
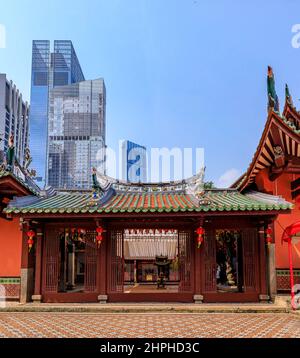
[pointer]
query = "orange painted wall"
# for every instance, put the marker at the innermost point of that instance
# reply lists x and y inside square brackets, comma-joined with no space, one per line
[10,248]
[282,186]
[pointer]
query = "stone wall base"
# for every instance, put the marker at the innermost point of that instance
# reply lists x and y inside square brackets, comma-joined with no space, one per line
[102,298]
[283,279]
[198,299]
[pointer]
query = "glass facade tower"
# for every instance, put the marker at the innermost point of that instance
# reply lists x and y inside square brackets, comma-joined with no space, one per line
[14,113]
[76,134]
[134,162]
[49,69]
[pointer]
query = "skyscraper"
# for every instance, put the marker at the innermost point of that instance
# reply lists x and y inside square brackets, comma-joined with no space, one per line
[49,69]
[76,134]
[134,162]
[13,119]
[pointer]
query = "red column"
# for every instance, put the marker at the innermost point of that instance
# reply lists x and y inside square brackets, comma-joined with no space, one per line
[38,267]
[264,296]
[27,268]
[198,254]
[102,271]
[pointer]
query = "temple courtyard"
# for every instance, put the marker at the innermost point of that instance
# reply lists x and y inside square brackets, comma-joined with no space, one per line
[148,325]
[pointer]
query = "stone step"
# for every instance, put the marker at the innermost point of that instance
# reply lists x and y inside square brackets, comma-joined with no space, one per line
[148,307]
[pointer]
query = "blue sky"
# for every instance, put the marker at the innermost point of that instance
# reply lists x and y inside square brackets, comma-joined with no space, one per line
[179,73]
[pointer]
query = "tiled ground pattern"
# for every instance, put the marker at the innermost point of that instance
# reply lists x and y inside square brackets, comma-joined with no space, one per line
[149,325]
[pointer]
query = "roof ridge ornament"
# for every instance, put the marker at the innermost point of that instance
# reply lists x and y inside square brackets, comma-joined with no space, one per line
[191,185]
[288,96]
[28,161]
[101,181]
[100,188]
[195,184]
[10,154]
[98,192]
[273,102]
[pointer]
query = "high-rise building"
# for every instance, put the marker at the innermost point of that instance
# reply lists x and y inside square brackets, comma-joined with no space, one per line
[49,70]
[13,118]
[76,134]
[134,162]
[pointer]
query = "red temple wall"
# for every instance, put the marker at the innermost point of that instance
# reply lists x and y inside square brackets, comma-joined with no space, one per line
[10,252]
[282,186]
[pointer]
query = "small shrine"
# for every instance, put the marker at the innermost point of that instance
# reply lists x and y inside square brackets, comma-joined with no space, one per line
[163,268]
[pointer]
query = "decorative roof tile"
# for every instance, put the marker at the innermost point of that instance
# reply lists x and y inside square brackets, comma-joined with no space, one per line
[211,200]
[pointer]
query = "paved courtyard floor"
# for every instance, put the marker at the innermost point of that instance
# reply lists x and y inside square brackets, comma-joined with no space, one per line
[149,325]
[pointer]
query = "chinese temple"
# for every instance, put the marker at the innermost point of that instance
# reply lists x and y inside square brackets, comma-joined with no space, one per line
[180,241]
[275,170]
[167,242]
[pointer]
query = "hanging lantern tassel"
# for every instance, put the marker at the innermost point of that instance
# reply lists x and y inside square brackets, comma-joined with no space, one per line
[99,239]
[200,232]
[30,240]
[268,233]
[99,236]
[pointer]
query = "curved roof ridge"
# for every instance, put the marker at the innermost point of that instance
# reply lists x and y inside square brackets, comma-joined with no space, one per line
[268,198]
[277,120]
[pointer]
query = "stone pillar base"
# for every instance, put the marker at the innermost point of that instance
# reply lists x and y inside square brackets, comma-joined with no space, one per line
[198,299]
[102,298]
[36,298]
[264,298]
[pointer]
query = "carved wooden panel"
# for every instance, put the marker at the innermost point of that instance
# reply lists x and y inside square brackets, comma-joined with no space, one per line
[117,261]
[91,252]
[210,264]
[249,244]
[51,261]
[185,262]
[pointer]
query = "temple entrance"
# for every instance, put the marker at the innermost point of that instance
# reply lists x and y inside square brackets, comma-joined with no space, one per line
[70,261]
[150,261]
[229,257]
[72,264]
[230,265]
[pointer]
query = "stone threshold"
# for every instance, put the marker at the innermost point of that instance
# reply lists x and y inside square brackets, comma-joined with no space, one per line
[147,308]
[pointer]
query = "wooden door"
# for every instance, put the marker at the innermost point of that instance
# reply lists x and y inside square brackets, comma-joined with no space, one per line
[209,261]
[116,272]
[51,260]
[250,253]
[185,261]
[91,253]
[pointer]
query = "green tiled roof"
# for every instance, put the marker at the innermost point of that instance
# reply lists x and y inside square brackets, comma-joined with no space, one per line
[211,200]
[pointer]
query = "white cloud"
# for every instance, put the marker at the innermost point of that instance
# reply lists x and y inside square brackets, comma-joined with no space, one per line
[228,178]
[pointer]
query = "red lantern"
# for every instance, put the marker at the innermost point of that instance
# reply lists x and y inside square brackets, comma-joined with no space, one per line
[99,237]
[99,230]
[268,233]
[200,232]
[30,240]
